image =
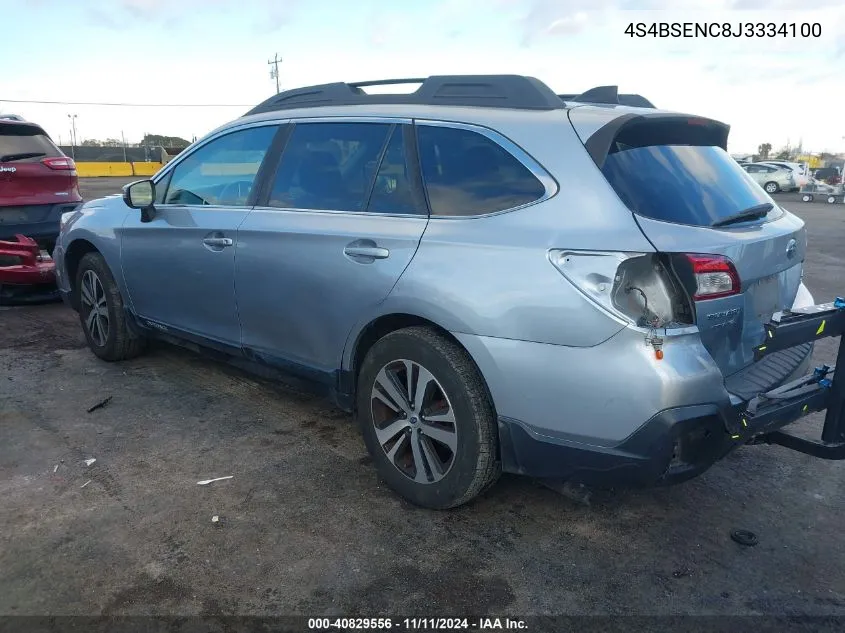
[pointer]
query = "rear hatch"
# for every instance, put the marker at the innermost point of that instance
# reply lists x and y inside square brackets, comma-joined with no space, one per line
[33,171]
[738,255]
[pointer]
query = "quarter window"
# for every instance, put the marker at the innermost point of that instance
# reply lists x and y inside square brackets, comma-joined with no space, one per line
[467,173]
[329,166]
[221,172]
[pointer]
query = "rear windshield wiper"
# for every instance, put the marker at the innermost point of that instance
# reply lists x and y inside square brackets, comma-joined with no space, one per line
[10,157]
[751,213]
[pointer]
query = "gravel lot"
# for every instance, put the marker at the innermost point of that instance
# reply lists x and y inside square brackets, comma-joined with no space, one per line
[306,528]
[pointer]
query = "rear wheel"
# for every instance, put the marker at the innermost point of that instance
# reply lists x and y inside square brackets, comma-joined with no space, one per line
[427,419]
[101,312]
[831,199]
[771,187]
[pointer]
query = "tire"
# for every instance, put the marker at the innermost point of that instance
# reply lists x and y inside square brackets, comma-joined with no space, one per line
[831,199]
[807,198]
[462,462]
[110,339]
[771,187]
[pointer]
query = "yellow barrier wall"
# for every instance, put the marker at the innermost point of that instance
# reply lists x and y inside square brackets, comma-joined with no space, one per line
[145,169]
[94,170]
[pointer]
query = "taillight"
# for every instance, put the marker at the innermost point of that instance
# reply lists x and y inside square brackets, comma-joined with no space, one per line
[715,276]
[634,287]
[60,163]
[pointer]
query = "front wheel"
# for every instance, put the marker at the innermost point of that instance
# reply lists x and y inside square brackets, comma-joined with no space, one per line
[772,187]
[101,312]
[427,419]
[807,197]
[831,199]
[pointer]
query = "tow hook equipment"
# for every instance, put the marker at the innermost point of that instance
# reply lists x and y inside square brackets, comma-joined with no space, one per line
[823,389]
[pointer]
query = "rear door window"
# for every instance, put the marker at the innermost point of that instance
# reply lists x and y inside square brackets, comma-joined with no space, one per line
[683,184]
[16,141]
[467,173]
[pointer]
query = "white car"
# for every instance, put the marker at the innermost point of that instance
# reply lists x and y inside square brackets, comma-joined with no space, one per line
[800,171]
[772,179]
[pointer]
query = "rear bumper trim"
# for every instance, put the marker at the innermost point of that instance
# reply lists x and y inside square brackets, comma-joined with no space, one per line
[674,445]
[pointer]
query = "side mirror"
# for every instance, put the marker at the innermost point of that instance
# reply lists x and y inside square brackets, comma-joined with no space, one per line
[141,195]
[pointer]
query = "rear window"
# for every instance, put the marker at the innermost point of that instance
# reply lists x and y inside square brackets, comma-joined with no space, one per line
[25,139]
[684,184]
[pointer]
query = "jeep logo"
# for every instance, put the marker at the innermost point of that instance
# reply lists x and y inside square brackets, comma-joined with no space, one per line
[9,169]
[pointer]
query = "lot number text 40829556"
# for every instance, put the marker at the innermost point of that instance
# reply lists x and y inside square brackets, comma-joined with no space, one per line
[417,624]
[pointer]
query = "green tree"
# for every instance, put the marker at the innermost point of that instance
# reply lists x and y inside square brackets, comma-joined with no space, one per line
[164,141]
[91,142]
[764,150]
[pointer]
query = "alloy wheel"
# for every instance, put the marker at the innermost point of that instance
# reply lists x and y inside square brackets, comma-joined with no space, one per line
[95,308]
[414,421]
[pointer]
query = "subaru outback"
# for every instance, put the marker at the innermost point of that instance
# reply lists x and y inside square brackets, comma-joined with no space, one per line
[491,276]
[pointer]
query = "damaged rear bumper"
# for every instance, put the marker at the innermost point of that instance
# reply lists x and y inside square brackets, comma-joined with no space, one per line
[26,274]
[679,443]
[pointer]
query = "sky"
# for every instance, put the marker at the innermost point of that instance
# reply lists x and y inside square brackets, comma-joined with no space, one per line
[206,60]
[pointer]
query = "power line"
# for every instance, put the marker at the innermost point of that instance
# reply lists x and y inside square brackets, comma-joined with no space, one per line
[134,105]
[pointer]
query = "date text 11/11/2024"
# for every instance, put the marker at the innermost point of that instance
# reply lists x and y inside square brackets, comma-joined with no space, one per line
[722,30]
[416,624]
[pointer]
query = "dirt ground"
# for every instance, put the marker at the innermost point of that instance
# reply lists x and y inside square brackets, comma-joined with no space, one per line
[305,527]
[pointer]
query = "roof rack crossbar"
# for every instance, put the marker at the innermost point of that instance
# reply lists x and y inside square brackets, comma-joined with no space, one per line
[490,91]
[608,95]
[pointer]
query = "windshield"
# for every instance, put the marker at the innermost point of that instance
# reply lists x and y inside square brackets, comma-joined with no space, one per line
[684,184]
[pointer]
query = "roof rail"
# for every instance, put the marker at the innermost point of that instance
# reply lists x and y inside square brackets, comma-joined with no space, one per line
[609,95]
[489,91]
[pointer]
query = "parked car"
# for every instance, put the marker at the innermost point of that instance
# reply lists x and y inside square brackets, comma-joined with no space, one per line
[827,175]
[490,278]
[800,172]
[37,183]
[772,179]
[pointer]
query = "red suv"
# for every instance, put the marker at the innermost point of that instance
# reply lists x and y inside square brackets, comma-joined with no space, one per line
[37,183]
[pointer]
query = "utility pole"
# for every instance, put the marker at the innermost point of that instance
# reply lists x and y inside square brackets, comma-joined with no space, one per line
[72,118]
[274,72]
[123,138]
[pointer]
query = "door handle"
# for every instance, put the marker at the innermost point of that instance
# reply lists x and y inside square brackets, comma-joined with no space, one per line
[367,251]
[219,242]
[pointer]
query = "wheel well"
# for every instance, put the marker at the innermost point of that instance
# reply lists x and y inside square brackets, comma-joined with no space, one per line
[75,252]
[383,326]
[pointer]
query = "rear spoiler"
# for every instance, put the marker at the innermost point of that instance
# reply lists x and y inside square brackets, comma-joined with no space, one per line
[659,128]
[608,95]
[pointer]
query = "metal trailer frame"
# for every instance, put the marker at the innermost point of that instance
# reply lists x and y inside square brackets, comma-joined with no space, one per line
[761,420]
[829,192]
